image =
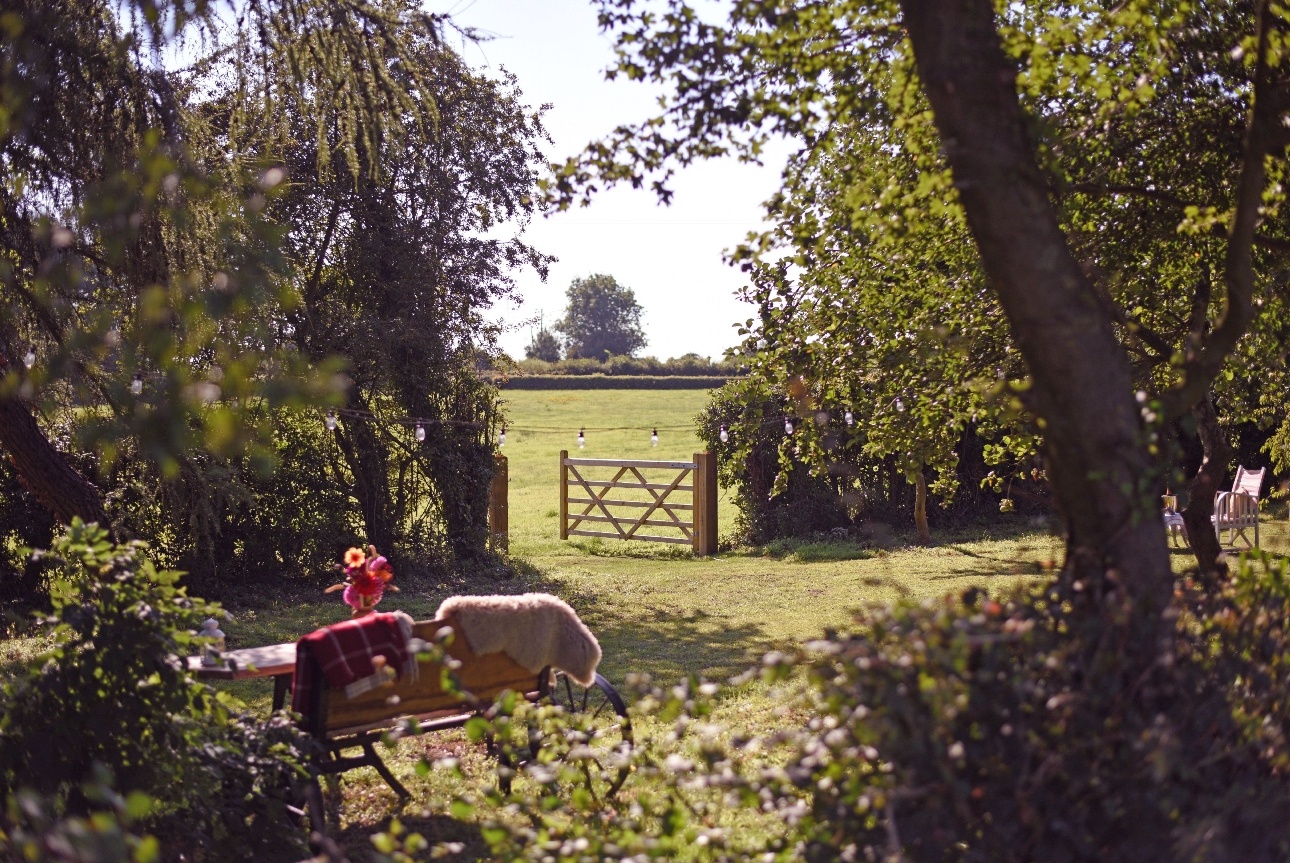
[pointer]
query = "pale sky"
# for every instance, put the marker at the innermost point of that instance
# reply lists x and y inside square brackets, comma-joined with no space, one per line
[670,256]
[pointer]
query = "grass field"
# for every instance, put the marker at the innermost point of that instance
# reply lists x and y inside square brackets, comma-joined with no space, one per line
[655,608]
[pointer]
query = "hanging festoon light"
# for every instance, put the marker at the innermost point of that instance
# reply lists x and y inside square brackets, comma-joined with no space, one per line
[330,421]
[849,418]
[788,425]
[136,385]
[653,438]
[420,433]
[725,435]
[501,437]
[30,359]
[582,439]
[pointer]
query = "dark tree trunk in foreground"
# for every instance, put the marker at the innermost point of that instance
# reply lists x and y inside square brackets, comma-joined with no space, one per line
[44,470]
[1204,485]
[1105,480]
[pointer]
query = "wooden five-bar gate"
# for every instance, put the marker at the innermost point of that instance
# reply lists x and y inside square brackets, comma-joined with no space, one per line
[619,507]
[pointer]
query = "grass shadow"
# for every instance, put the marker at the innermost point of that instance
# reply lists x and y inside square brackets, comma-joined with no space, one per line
[668,645]
[356,842]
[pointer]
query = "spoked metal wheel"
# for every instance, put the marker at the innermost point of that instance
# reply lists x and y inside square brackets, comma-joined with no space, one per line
[599,739]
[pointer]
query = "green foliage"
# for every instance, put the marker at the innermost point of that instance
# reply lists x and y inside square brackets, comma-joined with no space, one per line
[544,347]
[31,830]
[114,694]
[690,365]
[608,382]
[601,320]
[965,729]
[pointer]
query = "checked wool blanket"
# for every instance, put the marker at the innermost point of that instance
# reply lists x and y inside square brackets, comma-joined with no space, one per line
[354,656]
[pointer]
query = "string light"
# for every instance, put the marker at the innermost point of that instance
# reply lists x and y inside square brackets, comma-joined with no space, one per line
[420,433]
[849,418]
[788,425]
[725,435]
[30,359]
[653,438]
[501,438]
[582,439]
[330,421]
[136,385]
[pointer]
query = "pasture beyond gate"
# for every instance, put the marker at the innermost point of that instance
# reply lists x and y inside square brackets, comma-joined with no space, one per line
[616,498]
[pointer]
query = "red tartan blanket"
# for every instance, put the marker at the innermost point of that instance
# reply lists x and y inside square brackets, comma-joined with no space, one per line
[343,652]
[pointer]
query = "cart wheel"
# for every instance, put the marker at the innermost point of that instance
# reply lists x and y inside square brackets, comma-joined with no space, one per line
[601,747]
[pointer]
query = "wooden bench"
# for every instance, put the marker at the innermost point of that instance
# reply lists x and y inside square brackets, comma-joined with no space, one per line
[337,723]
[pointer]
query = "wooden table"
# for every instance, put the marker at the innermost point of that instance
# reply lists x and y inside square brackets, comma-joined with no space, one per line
[275,660]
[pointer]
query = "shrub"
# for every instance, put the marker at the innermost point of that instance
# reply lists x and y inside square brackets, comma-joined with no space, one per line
[967,729]
[114,694]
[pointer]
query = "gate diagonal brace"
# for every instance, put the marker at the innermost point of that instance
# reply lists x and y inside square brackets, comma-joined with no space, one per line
[598,497]
[658,502]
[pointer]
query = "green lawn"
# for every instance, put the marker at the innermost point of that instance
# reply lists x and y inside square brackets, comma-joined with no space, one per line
[655,608]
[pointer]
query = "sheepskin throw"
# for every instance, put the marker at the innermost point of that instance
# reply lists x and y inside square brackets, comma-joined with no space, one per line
[534,629]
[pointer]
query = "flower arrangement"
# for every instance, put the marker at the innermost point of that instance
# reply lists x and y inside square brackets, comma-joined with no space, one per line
[367,575]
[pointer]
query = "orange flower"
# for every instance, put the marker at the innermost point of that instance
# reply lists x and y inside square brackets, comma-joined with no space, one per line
[354,557]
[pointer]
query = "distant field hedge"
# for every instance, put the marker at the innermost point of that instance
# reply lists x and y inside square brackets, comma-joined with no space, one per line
[613,382]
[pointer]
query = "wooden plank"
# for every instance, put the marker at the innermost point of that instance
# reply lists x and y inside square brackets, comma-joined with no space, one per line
[679,540]
[564,495]
[632,485]
[654,522]
[498,504]
[705,504]
[636,503]
[610,462]
[264,661]
[484,677]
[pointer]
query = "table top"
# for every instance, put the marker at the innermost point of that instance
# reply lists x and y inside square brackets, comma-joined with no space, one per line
[268,661]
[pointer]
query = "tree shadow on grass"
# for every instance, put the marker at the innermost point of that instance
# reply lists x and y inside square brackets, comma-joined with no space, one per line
[669,644]
[356,841]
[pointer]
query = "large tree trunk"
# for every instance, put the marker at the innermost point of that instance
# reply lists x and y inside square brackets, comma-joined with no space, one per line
[1105,480]
[1202,488]
[44,470]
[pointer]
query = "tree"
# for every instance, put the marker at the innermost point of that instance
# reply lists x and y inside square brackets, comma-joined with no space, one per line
[602,319]
[810,69]
[140,272]
[543,347]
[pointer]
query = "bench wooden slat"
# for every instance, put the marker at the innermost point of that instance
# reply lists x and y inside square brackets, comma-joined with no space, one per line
[484,677]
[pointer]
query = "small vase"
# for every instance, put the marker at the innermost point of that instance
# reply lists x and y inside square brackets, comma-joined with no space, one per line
[366,605]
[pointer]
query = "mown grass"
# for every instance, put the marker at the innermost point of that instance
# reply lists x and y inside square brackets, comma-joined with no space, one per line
[657,610]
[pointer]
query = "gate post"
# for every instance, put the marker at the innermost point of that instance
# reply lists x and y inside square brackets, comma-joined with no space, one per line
[499,504]
[705,503]
[564,495]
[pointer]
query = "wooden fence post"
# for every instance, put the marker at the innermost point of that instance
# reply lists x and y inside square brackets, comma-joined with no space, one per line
[705,503]
[499,516]
[564,495]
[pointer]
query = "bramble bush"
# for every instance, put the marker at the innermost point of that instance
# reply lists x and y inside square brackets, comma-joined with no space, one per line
[114,697]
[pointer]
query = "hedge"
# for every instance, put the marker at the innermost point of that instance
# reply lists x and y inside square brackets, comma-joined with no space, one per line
[613,382]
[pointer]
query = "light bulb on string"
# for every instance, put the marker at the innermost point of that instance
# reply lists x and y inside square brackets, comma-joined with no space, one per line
[30,359]
[849,418]
[725,435]
[501,438]
[330,421]
[136,385]
[788,425]
[420,433]
[653,438]
[582,439]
